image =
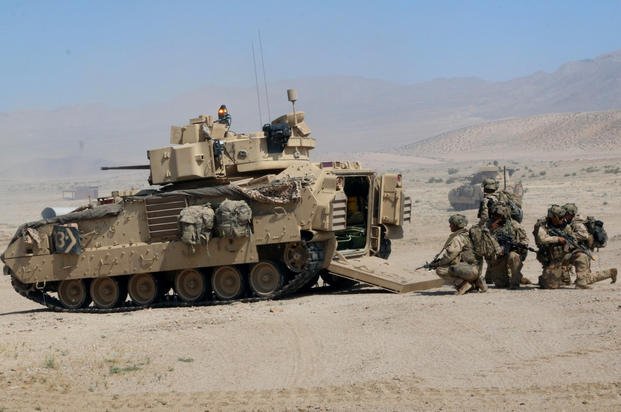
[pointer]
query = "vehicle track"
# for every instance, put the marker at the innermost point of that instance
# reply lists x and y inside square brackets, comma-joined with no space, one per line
[316,257]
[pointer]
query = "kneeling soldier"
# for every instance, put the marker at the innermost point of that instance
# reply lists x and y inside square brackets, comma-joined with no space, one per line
[558,247]
[512,238]
[456,262]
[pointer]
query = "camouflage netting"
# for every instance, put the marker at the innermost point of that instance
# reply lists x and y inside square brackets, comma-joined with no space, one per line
[73,217]
[278,192]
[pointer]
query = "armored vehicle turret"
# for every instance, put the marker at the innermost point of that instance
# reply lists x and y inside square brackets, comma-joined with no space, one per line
[469,195]
[237,215]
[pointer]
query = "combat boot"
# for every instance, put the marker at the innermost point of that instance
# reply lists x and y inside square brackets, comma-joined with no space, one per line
[481,285]
[602,275]
[525,281]
[582,284]
[465,287]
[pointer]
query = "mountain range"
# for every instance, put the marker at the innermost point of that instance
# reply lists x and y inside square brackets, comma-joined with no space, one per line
[343,112]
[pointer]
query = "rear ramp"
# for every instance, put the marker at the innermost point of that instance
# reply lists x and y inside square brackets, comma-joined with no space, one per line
[378,272]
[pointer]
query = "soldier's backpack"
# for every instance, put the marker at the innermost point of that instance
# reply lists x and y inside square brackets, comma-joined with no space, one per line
[596,229]
[233,219]
[195,224]
[484,244]
[512,201]
[515,205]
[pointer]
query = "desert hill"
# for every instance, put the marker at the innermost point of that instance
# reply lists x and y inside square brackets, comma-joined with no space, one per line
[343,112]
[536,137]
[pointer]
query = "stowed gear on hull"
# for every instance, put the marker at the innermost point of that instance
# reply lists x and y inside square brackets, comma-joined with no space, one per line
[237,215]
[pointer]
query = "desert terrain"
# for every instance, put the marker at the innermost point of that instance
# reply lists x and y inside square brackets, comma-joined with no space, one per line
[363,349]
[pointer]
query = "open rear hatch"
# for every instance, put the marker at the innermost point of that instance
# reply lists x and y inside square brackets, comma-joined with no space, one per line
[378,272]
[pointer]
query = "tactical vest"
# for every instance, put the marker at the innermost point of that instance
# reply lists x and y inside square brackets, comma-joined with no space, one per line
[547,254]
[467,254]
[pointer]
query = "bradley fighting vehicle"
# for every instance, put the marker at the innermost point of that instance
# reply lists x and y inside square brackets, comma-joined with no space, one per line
[235,216]
[469,195]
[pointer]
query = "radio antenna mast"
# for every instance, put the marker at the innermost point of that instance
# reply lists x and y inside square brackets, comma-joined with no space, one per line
[267,96]
[256,82]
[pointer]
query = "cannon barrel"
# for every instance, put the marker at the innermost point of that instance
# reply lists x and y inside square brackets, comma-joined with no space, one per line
[132,167]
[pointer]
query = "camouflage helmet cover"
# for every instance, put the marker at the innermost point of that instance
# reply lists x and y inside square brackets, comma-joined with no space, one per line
[556,211]
[458,220]
[490,184]
[571,208]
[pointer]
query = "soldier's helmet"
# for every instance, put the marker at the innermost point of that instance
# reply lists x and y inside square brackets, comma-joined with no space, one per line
[458,220]
[556,211]
[490,185]
[501,209]
[222,111]
[571,208]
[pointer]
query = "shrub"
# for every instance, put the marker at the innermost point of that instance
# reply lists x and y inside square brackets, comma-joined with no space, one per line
[435,180]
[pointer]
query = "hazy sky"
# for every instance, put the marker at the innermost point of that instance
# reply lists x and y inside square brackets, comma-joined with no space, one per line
[126,53]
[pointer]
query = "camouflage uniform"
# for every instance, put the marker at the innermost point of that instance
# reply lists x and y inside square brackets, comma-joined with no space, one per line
[456,263]
[490,198]
[581,234]
[579,259]
[510,261]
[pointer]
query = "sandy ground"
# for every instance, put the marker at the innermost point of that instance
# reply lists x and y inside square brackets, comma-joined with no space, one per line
[359,350]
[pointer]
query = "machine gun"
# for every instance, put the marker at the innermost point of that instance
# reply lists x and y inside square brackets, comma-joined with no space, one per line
[572,241]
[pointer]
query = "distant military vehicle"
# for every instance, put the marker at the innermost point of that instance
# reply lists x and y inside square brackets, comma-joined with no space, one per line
[469,195]
[235,216]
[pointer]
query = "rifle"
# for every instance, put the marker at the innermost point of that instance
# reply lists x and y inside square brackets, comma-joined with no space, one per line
[429,265]
[508,244]
[433,264]
[572,241]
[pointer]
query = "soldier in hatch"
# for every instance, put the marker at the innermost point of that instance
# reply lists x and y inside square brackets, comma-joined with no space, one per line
[558,247]
[456,262]
[224,116]
[514,243]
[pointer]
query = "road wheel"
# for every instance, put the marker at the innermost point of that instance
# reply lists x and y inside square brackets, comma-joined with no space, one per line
[227,283]
[143,288]
[266,278]
[73,293]
[190,285]
[107,292]
[296,256]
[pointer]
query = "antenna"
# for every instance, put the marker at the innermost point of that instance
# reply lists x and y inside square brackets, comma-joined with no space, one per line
[267,96]
[256,82]
[292,96]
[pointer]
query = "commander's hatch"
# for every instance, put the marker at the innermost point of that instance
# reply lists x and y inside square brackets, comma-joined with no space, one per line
[379,272]
[391,206]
